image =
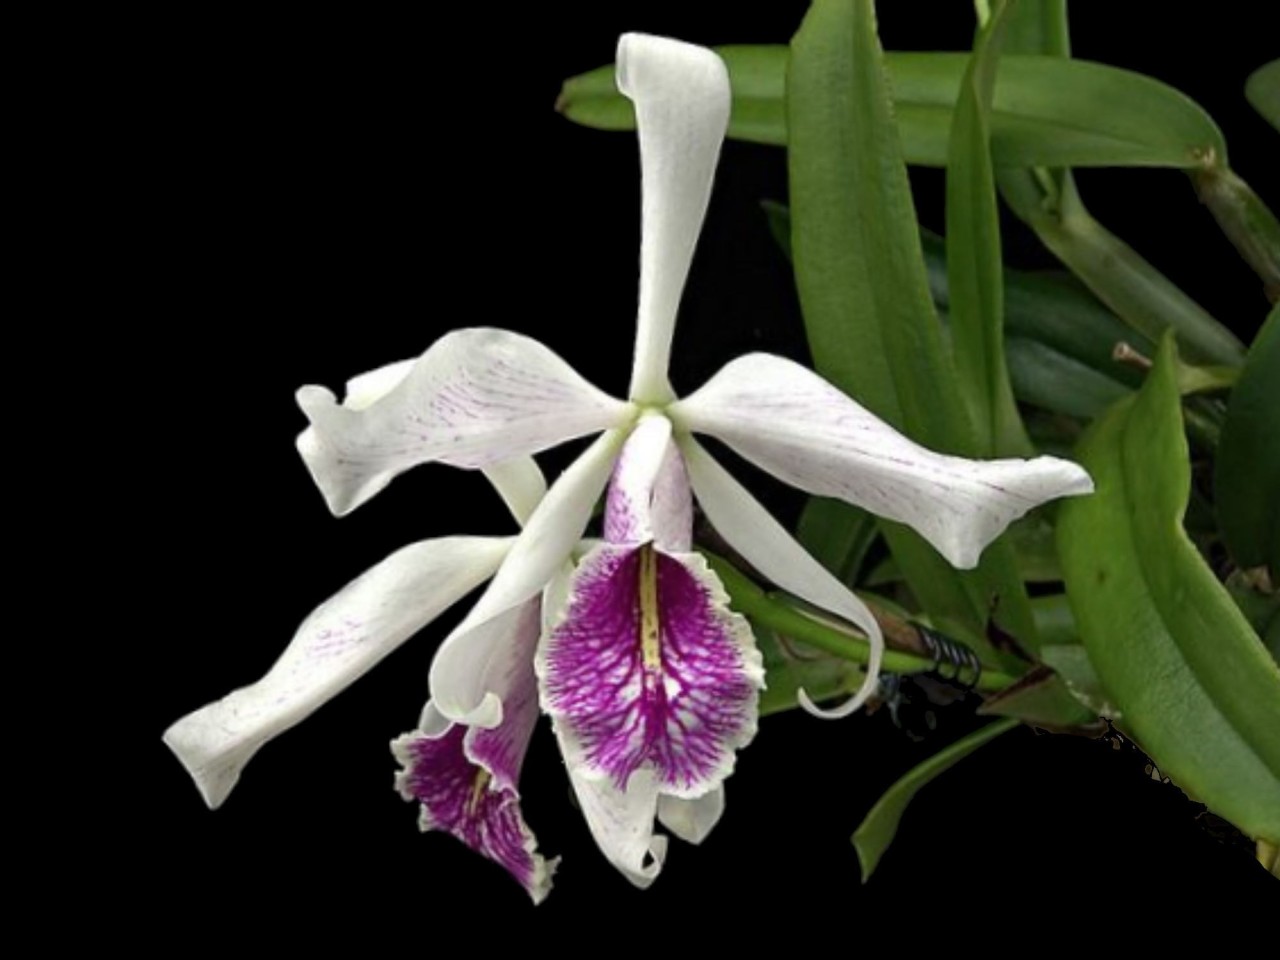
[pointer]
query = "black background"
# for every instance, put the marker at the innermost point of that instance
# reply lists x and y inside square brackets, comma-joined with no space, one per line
[323,194]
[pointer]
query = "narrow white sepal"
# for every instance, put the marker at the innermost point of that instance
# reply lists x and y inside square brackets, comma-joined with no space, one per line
[692,820]
[681,95]
[789,421]
[475,398]
[765,544]
[537,555]
[341,640]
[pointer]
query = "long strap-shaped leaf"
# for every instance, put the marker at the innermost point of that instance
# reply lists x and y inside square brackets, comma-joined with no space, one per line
[1189,677]
[877,830]
[1247,472]
[865,296]
[974,261]
[1046,111]
[1263,90]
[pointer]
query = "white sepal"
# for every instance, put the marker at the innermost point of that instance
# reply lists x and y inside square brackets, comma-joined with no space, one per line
[789,421]
[681,95]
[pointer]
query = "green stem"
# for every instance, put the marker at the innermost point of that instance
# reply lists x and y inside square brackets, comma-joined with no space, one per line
[1136,291]
[748,599]
[1248,223]
[1132,288]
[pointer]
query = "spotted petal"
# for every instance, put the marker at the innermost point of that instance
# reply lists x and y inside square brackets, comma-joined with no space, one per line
[681,95]
[792,423]
[337,644]
[465,778]
[748,528]
[649,670]
[476,397]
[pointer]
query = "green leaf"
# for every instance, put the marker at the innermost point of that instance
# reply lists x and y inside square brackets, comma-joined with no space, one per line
[868,314]
[1045,378]
[1260,606]
[778,217]
[1053,309]
[1263,91]
[1042,699]
[1054,620]
[1195,379]
[1247,472]
[1038,26]
[974,261]
[1058,339]
[1045,110]
[1070,661]
[837,535]
[1196,688]
[1033,543]
[877,830]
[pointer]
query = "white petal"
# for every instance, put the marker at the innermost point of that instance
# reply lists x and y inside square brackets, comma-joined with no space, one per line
[520,483]
[338,643]
[475,398]
[621,822]
[692,820]
[748,528]
[457,684]
[649,497]
[792,423]
[681,93]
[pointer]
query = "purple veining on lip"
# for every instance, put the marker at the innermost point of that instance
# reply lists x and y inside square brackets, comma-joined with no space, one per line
[684,716]
[466,778]
[459,797]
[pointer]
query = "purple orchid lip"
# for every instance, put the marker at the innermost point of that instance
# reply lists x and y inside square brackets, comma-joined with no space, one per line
[464,798]
[465,777]
[649,668]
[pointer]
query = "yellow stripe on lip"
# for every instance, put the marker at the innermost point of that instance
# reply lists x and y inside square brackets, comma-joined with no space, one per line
[649,624]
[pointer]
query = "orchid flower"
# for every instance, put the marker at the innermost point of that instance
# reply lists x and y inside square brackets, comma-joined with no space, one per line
[651,681]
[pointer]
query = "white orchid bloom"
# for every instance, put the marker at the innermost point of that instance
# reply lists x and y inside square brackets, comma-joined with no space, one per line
[651,681]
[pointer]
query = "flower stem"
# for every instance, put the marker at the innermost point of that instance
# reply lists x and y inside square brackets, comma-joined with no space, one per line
[760,607]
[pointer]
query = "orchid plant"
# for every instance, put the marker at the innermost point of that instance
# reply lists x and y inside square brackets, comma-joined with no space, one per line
[628,643]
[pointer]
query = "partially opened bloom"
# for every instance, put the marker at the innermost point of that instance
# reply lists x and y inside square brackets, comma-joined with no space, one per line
[651,681]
